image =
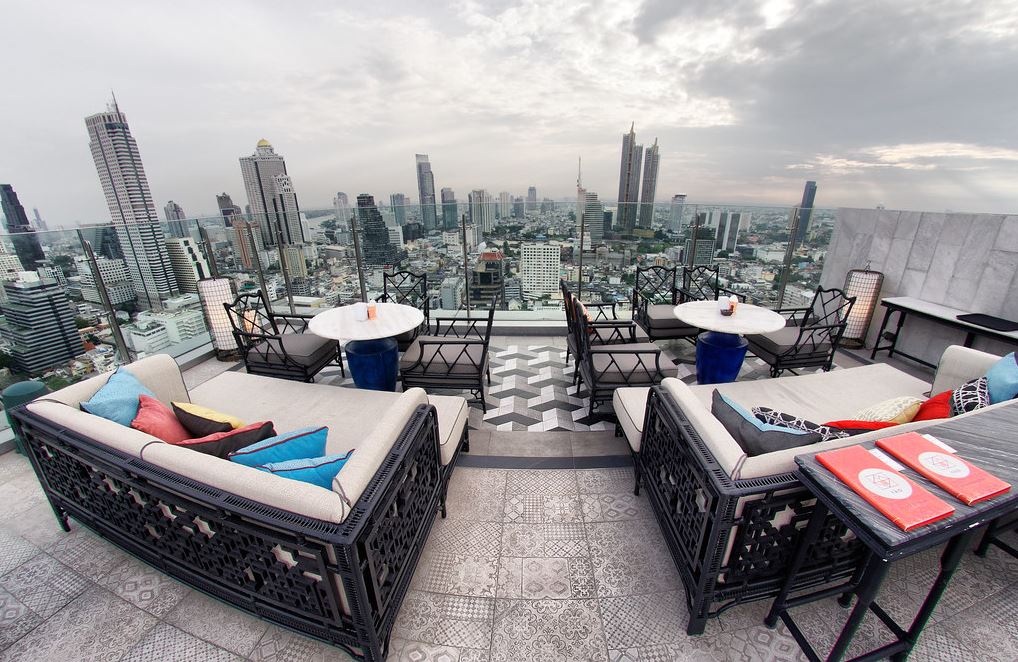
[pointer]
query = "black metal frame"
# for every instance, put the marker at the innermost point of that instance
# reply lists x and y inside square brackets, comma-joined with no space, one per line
[409,289]
[451,352]
[992,536]
[341,583]
[601,383]
[702,512]
[604,329]
[654,285]
[703,283]
[258,331]
[820,324]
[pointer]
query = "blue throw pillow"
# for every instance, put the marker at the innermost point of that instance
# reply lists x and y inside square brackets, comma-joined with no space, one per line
[1002,379]
[318,471]
[296,445]
[117,400]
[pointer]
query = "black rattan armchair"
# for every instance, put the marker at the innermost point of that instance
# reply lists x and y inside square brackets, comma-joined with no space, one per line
[454,356]
[603,325]
[655,296]
[276,344]
[409,289]
[812,337]
[604,368]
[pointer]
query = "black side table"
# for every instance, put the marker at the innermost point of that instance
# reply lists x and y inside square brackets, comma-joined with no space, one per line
[988,440]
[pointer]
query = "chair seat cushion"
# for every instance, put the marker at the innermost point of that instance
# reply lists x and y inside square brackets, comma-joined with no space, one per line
[769,345]
[662,316]
[306,349]
[616,366]
[451,357]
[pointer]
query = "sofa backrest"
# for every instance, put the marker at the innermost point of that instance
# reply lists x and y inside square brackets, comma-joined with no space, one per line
[721,444]
[159,373]
[960,364]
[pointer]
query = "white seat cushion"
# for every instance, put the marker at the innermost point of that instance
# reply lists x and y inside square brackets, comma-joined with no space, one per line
[452,419]
[630,407]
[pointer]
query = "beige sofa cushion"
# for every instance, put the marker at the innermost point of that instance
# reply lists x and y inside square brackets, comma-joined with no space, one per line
[284,493]
[452,419]
[725,449]
[105,431]
[630,407]
[159,373]
[959,365]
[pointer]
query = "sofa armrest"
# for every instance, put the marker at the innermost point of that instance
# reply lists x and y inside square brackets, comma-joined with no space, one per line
[159,373]
[960,364]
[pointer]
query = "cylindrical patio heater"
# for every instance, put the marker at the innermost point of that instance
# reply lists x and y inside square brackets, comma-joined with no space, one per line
[213,293]
[864,285]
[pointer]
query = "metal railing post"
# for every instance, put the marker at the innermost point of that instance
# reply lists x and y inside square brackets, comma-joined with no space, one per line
[257,262]
[786,265]
[466,265]
[354,232]
[209,253]
[579,260]
[118,336]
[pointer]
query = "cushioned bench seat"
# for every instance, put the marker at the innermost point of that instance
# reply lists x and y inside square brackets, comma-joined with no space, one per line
[662,316]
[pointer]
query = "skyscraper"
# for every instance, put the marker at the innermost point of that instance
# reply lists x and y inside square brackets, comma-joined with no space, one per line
[531,199]
[505,205]
[650,164]
[593,216]
[539,269]
[271,196]
[426,191]
[482,210]
[122,175]
[678,206]
[189,262]
[39,325]
[730,225]
[629,180]
[449,209]
[399,205]
[227,209]
[115,277]
[519,207]
[377,249]
[809,193]
[341,203]
[39,223]
[175,220]
[22,235]
[246,238]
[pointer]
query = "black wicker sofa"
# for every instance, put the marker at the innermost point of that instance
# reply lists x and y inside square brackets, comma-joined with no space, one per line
[330,564]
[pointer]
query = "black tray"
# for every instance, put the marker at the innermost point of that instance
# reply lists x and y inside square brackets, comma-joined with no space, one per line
[989,321]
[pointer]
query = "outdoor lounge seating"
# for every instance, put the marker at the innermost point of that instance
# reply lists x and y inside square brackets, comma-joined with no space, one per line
[655,296]
[275,344]
[332,564]
[812,337]
[732,521]
[408,289]
[604,326]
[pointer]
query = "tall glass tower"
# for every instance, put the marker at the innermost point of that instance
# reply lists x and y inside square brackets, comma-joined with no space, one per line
[650,163]
[426,190]
[270,195]
[629,180]
[22,235]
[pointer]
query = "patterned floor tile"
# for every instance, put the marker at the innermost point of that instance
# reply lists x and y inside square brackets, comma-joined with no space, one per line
[418,651]
[19,495]
[16,619]
[14,551]
[279,645]
[630,557]
[990,628]
[641,620]
[529,540]
[545,482]
[477,494]
[165,642]
[44,584]
[557,578]
[145,587]
[595,481]
[540,509]
[464,537]
[510,577]
[547,630]
[38,525]
[457,574]
[217,623]
[937,643]
[445,620]
[95,626]
[87,554]
[614,507]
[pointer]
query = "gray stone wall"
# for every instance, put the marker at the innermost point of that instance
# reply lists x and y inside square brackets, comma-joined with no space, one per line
[966,261]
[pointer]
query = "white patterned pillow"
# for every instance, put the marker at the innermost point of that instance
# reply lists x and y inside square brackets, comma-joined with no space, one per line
[896,410]
[970,396]
[781,419]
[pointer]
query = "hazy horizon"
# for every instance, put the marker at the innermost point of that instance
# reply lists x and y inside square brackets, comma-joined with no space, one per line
[909,105]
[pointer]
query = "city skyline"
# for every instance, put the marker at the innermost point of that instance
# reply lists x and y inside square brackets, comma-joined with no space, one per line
[754,99]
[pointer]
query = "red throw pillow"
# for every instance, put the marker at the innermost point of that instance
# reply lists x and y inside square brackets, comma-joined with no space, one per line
[859,427]
[158,420]
[939,406]
[221,444]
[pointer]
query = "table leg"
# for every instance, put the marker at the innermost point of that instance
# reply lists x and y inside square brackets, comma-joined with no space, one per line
[373,364]
[873,577]
[719,357]
[880,334]
[897,333]
[809,536]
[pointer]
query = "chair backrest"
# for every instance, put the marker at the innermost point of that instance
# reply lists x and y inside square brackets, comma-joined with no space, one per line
[580,331]
[491,319]
[700,283]
[567,304]
[407,288]
[251,316]
[824,323]
[655,284]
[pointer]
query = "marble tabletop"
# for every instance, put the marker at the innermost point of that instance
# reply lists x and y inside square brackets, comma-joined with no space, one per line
[747,318]
[340,323]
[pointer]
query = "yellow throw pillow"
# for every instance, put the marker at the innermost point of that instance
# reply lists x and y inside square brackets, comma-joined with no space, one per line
[896,410]
[210,414]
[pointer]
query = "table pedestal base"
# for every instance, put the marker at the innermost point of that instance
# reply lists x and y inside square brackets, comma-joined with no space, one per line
[719,357]
[373,364]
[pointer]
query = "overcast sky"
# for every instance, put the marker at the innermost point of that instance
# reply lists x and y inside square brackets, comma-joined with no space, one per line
[907,104]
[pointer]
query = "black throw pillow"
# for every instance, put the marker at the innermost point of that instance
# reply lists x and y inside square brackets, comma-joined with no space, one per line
[221,444]
[745,429]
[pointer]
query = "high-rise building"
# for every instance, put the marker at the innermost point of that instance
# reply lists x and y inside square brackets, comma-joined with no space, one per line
[398,201]
[678,206]
[175,220]
[449,209]
[482,210]
[413,231]
[730,225]
[39,223]
[505,205]
[271,196]
[451,293]
[122,175]
[593,216]
[39,325]
[115,277]
[809,194]
[487,279]
[539,269]
[519,207]
[341,203]
[426,191]
[292,257]
[377,249]
[629,180]
[531,199]
[10,266]
[227,209]
[706,236]
[22,235]
[189,262]
[246,237]
[649,189]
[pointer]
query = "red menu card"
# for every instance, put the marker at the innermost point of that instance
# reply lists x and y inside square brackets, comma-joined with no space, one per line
[904,502]
[956,476]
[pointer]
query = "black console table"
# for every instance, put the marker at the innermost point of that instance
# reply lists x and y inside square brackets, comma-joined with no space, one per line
[935,312]
[988,440]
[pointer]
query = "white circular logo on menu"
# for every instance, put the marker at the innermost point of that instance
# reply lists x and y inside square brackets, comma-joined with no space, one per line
[943,464]
[885,483]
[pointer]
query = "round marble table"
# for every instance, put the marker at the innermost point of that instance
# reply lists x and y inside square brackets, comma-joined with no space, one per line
[721,350]
[370,345]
